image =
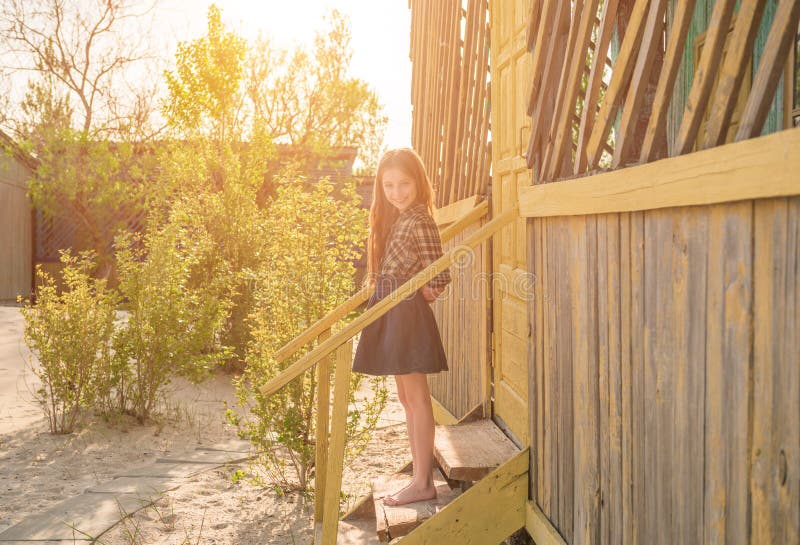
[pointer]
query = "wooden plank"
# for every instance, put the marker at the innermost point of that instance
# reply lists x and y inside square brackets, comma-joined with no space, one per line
[488,512]
[440,414]
[333,481]
[393,521]
[470,451]
[453,211]
[733,71]
[322,429]
[563,125]
[595,82]
[540,528]
[546,95]
[728,353]
[704,76]
[586,425]
[688,277]
[657,125]
[758,168]
[619,82]
[540,53]
[776,49]
[651,42]
[627,340]
[635,518]
[775,449]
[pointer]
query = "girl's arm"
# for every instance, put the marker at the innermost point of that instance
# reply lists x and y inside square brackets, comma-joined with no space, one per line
[429,249]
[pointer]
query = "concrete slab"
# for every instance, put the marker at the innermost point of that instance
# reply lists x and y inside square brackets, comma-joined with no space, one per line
[78,518]
[146,487]
[234,445]
[179,470]
[215,457]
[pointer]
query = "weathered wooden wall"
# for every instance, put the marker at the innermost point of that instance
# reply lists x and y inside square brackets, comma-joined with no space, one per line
[16,233]
[461,312]
[450,95]
[666,374]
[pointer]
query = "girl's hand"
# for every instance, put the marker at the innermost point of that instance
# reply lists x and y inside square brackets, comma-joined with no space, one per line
[430,294]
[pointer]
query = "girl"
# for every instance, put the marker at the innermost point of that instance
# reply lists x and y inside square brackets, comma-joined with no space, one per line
[405,341]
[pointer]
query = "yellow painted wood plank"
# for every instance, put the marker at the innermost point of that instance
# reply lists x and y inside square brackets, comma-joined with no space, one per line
[441,415]
[757,168]
[488,512]
[540,528]
[333,480]
[323,417]
[453,211]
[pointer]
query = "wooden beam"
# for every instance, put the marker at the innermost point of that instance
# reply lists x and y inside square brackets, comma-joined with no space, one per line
[754,169]
[441,415]
[651,41]
[563,126]
[657,126]
[488,512]
[375,312]
[539,526]
[323,423]
[733,71]
[619,82]
[595,82]
[333,480]
[453,211]
[776,49]
[704,75]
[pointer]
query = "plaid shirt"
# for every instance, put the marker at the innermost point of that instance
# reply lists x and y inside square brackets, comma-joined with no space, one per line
[412,245]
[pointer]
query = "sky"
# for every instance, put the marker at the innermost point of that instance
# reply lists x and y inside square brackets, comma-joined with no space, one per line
[380,40]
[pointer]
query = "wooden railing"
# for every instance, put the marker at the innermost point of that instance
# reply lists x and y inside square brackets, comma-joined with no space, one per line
[330,442]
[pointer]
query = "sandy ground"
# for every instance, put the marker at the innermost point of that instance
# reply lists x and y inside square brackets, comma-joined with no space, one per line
[38,469]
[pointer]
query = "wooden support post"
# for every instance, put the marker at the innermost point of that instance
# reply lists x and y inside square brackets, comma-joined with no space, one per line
[776,49]
[733,71]
[323,417]
[704,76]
[641,77]
[656,128]
[619,82]
[333,480]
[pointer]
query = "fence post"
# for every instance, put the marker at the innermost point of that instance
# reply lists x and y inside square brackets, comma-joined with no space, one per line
[323,417]
[333,479]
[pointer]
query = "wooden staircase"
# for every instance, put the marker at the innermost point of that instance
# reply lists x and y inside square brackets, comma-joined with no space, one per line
[467,455]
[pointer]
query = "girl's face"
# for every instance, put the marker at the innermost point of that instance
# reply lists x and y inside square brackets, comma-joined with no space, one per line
[400,188]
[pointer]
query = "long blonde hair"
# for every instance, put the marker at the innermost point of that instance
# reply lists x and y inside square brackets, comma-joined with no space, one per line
[382,214]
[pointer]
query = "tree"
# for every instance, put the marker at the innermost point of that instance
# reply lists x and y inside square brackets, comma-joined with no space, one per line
[308,100]
[79,118]
[205,89]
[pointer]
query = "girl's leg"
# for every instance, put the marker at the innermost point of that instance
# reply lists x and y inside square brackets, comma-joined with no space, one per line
[417,395]
[401,394]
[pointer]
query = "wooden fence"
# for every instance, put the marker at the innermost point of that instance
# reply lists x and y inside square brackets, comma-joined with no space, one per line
[16,225]
[450,95]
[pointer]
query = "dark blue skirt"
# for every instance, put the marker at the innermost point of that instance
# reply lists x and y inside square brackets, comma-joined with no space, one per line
[404,340]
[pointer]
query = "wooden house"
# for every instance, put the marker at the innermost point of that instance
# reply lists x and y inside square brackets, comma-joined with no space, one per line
[619,189]
[16,222]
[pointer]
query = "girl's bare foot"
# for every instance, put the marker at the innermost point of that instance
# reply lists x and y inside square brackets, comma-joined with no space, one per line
[410,494]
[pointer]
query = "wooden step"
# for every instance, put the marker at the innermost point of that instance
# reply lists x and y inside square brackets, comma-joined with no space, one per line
[470,451]
[396,521]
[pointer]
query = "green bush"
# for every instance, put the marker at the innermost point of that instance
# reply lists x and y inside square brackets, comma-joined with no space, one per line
[306,271]
[70,332]
[174,322]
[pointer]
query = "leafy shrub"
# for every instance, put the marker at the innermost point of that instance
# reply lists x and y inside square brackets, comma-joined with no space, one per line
[174,324]
[307,270]
[70,332]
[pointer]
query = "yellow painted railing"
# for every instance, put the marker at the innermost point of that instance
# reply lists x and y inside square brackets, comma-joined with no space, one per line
[330,449]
